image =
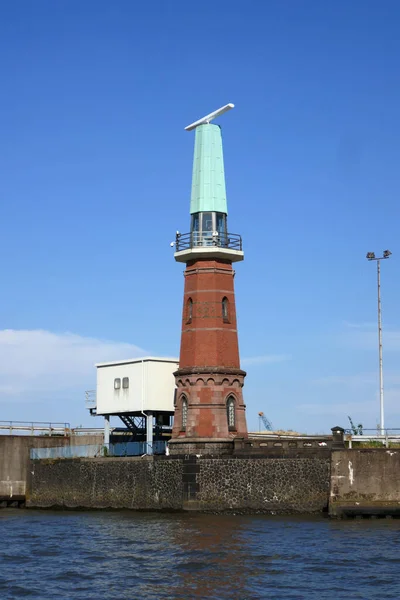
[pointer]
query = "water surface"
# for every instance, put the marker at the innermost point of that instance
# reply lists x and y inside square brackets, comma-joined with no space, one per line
[128,556]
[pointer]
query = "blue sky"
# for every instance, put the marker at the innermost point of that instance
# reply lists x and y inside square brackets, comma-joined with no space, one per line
[95,170]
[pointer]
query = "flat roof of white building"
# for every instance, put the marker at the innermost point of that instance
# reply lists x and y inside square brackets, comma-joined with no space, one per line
[130,361]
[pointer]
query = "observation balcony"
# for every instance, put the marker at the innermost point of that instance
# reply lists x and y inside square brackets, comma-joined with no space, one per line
[190,246]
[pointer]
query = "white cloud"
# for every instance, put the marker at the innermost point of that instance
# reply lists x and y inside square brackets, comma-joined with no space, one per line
[366,410]
[364,336]
[338,410]
[365,325]
[265,359]
[34,362]
[358,379]
[356,395]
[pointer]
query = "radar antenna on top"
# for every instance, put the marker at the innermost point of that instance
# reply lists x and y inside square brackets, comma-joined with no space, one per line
[210,117]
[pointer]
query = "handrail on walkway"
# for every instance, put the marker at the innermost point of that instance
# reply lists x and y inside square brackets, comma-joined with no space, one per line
[35,426]
[99,450]
[376,436]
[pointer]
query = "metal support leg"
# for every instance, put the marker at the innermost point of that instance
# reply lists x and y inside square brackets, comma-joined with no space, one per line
[149,432]
[107,431]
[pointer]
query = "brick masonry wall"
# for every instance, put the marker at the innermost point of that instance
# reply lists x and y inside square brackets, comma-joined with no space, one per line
[206,397]
[206,339]
[209,365]
[269,485]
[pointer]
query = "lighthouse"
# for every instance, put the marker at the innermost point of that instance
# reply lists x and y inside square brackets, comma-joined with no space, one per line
[209,406]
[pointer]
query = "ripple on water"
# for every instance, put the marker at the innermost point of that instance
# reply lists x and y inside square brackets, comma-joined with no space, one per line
[109,555]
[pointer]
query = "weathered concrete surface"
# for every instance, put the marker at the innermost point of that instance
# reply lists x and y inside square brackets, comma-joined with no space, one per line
[131,482]
[269,485]
[365,482]
[14,459]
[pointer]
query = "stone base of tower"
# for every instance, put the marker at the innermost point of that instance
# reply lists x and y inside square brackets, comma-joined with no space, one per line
[209,411]
[201,446]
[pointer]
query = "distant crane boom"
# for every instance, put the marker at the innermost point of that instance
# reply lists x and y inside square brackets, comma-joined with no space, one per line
[267,423]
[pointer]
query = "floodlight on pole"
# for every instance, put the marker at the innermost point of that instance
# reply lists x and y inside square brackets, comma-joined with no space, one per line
[371,256]
[210,117]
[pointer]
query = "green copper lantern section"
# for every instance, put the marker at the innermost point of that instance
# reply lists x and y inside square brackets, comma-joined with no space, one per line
[208,180]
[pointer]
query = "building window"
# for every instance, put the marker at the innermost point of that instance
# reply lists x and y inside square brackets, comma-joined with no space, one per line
[225,310]
[221,224]
[189,310]
[209,228]
[230,410]
[208,221]
[195,222]
[117,384]
[125,383]
[184,412]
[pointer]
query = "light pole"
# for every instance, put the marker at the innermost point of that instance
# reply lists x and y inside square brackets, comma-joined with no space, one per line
[371,256]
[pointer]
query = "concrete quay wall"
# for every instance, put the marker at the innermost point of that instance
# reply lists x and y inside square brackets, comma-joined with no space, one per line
[272,485]
[131,482]
[245,484]
[15,459]
[365,482]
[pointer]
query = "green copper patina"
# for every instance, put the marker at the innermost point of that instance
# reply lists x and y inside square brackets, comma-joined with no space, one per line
[208,180]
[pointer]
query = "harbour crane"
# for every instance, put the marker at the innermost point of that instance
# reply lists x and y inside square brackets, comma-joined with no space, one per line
[267,423]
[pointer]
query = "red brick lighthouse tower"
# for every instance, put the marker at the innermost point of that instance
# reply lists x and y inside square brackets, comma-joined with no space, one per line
[209,410]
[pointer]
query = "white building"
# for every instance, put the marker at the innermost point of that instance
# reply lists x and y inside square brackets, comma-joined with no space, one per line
[138,391]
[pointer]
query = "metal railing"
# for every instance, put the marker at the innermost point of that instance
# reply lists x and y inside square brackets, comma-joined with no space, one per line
[377,431]
[186,241]
[32,427]
[99,450]
[90,399]
[136,448]
[89,451]
[89,430]
[373,435]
